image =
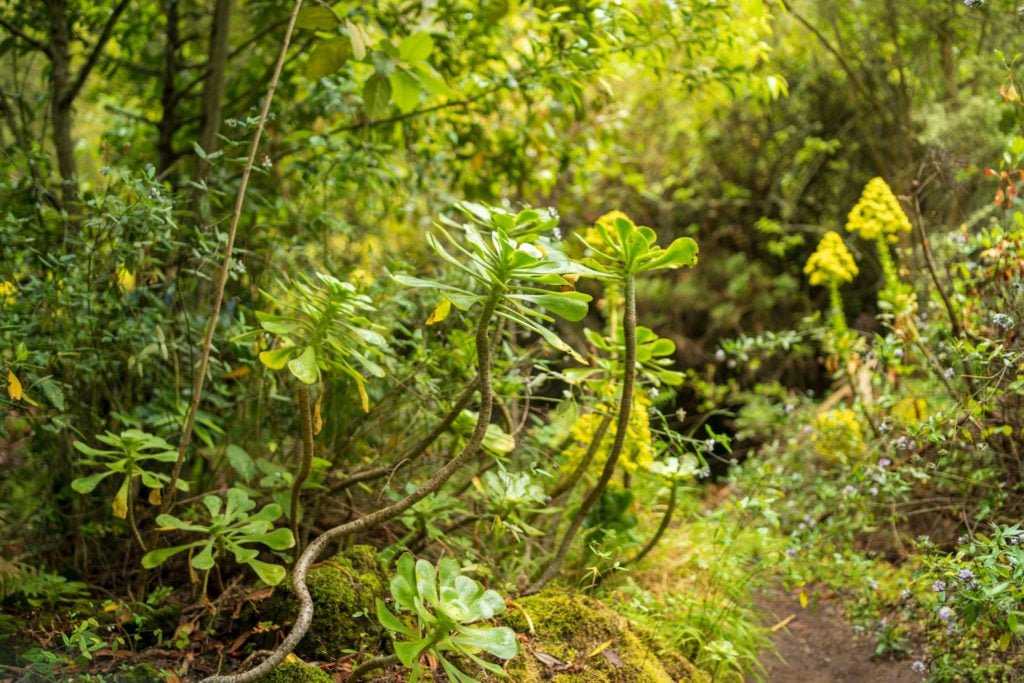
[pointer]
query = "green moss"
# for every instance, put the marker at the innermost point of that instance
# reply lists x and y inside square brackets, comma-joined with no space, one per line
[580,640]
[295,672]
[344,589]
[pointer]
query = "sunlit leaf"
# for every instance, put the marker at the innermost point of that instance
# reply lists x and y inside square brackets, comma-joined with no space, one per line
[316,18]
[304,367]
[277,358]
[327,57]
[14,390]
[416,47]
[376,96]
[440,312]
[405,90]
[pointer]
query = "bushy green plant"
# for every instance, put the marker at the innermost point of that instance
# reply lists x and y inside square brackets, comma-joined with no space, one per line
[444,603]
[231,529]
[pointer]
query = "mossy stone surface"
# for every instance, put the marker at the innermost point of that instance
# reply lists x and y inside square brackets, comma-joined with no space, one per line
[342,587]
[578,639]
[296,672]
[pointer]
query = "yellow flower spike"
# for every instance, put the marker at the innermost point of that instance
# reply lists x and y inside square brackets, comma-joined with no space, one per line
[832,263]
[7,291]
[878,213]
[125,279]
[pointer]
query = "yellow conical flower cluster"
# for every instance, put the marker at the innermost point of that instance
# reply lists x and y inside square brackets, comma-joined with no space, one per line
[878,213]
[832,263]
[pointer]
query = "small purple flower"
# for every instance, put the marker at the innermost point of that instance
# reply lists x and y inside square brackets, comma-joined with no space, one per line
[1002,321]
[849,490]
[918,667]
[898,353]
[966,575]
[719,355]
[974,4]
[939,585]
[945,613]
[949,373]
[884,462]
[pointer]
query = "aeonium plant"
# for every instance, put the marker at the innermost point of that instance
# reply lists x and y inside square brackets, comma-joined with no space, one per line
[443,605]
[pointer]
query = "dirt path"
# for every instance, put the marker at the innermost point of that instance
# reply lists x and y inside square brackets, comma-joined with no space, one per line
[818,646]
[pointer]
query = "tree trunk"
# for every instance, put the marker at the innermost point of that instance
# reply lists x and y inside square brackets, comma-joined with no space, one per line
[213,96]
[61,98]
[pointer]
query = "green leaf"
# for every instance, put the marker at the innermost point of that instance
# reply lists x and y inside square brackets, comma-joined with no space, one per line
[569,305]
[241,462]
[405,90]
[278,324]
[172,522]
[416,47]
[500,641]
[376,96]
[155,558]
[327,57]
[391,622]
[89,450]
[682,252]
[53,393]
[407,652]
[317,18]
[87,484]
[204,558]
[426,582]
[270,574]
[359,39]
[279,539]
[304,367]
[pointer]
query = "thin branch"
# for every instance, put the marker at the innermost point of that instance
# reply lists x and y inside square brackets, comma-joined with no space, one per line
[236,216]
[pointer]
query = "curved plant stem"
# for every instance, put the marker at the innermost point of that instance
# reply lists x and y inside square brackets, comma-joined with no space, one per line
[595,444]
[306,420]
[218,299]
[621,429]
[673,498]
[372,665]
[319,544]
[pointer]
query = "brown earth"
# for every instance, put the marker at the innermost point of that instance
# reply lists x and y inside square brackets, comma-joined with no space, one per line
[816,645]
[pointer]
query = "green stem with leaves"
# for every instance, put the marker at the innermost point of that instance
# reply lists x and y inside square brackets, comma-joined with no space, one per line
[621,431]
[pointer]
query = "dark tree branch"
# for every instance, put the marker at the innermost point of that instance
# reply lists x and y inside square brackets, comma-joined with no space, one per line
[94,56]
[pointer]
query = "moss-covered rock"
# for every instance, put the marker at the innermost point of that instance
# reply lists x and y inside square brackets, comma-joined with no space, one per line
[344,589]
[296,672]
[577,639]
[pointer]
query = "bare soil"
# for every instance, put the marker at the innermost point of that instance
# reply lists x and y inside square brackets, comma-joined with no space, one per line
[816,645]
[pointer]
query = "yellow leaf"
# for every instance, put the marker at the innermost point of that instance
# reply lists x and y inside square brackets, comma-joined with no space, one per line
[120,505]
[318,420]
[601,648]
[803,598]
[364,398]
[154,497]
[440,312]
[13,387]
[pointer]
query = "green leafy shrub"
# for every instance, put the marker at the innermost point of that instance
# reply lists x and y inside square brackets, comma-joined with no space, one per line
[444,603]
